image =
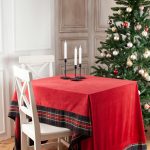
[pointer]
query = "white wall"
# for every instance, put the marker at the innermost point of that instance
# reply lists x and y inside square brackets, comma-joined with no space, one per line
[26,28]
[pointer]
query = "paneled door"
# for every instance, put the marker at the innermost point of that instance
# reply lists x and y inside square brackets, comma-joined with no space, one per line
[80,22]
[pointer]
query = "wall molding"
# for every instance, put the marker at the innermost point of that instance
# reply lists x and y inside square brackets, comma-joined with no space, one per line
[3,131]
[1,33]
[73,28]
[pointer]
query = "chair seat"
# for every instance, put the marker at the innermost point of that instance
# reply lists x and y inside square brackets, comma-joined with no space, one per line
[47,131]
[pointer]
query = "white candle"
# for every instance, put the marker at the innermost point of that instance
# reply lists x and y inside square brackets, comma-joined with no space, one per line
[80,55]
[65,50]
[75,56]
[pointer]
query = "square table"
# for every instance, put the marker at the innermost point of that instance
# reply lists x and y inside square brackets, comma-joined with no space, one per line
[106,111]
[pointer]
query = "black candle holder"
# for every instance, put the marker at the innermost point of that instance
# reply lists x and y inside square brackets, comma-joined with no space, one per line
[81,77]
[75,78]
[65,77]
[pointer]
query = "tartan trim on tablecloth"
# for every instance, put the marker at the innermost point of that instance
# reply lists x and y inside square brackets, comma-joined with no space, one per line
[136,147]
[75,122]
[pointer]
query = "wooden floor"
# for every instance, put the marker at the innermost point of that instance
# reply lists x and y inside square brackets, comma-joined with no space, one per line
[9,144]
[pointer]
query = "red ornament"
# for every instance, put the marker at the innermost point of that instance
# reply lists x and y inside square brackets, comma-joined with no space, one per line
[146,28]
[115,72]
[125,24]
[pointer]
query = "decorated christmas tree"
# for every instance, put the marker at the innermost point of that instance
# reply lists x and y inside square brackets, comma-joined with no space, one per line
[125,54]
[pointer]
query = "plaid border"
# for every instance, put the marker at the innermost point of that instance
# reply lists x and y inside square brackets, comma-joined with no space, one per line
[137,147]
[61,118]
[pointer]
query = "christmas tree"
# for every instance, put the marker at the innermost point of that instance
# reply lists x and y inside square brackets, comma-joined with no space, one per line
[125,54]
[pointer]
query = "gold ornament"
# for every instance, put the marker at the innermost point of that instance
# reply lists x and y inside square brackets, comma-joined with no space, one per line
[114,29]
[129,63]
[141,72]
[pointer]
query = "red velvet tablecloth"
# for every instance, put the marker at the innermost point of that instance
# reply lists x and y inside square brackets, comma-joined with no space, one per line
[105,110]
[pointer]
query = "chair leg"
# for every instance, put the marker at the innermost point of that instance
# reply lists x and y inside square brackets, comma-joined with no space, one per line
[37,145]
[59,147]
[24,143]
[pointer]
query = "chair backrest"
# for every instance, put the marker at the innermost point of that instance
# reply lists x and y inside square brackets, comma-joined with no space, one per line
[26,102]
[38,65]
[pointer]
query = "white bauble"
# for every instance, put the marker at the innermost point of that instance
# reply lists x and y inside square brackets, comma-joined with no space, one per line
[138,27]
[119,12]
[130,44]
[141,7]
[147,78]
[139,92]
[129,9]
[129,63]
[141,72]
[113,29]
[102,55]
[147,52]
[116,38]
[115,53]
[146,106]
[145,55]
[145,75]
[108,56]
[133,57]
[144,33]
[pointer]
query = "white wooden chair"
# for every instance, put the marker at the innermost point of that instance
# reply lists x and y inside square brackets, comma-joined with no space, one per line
[36,131]
[39,65]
